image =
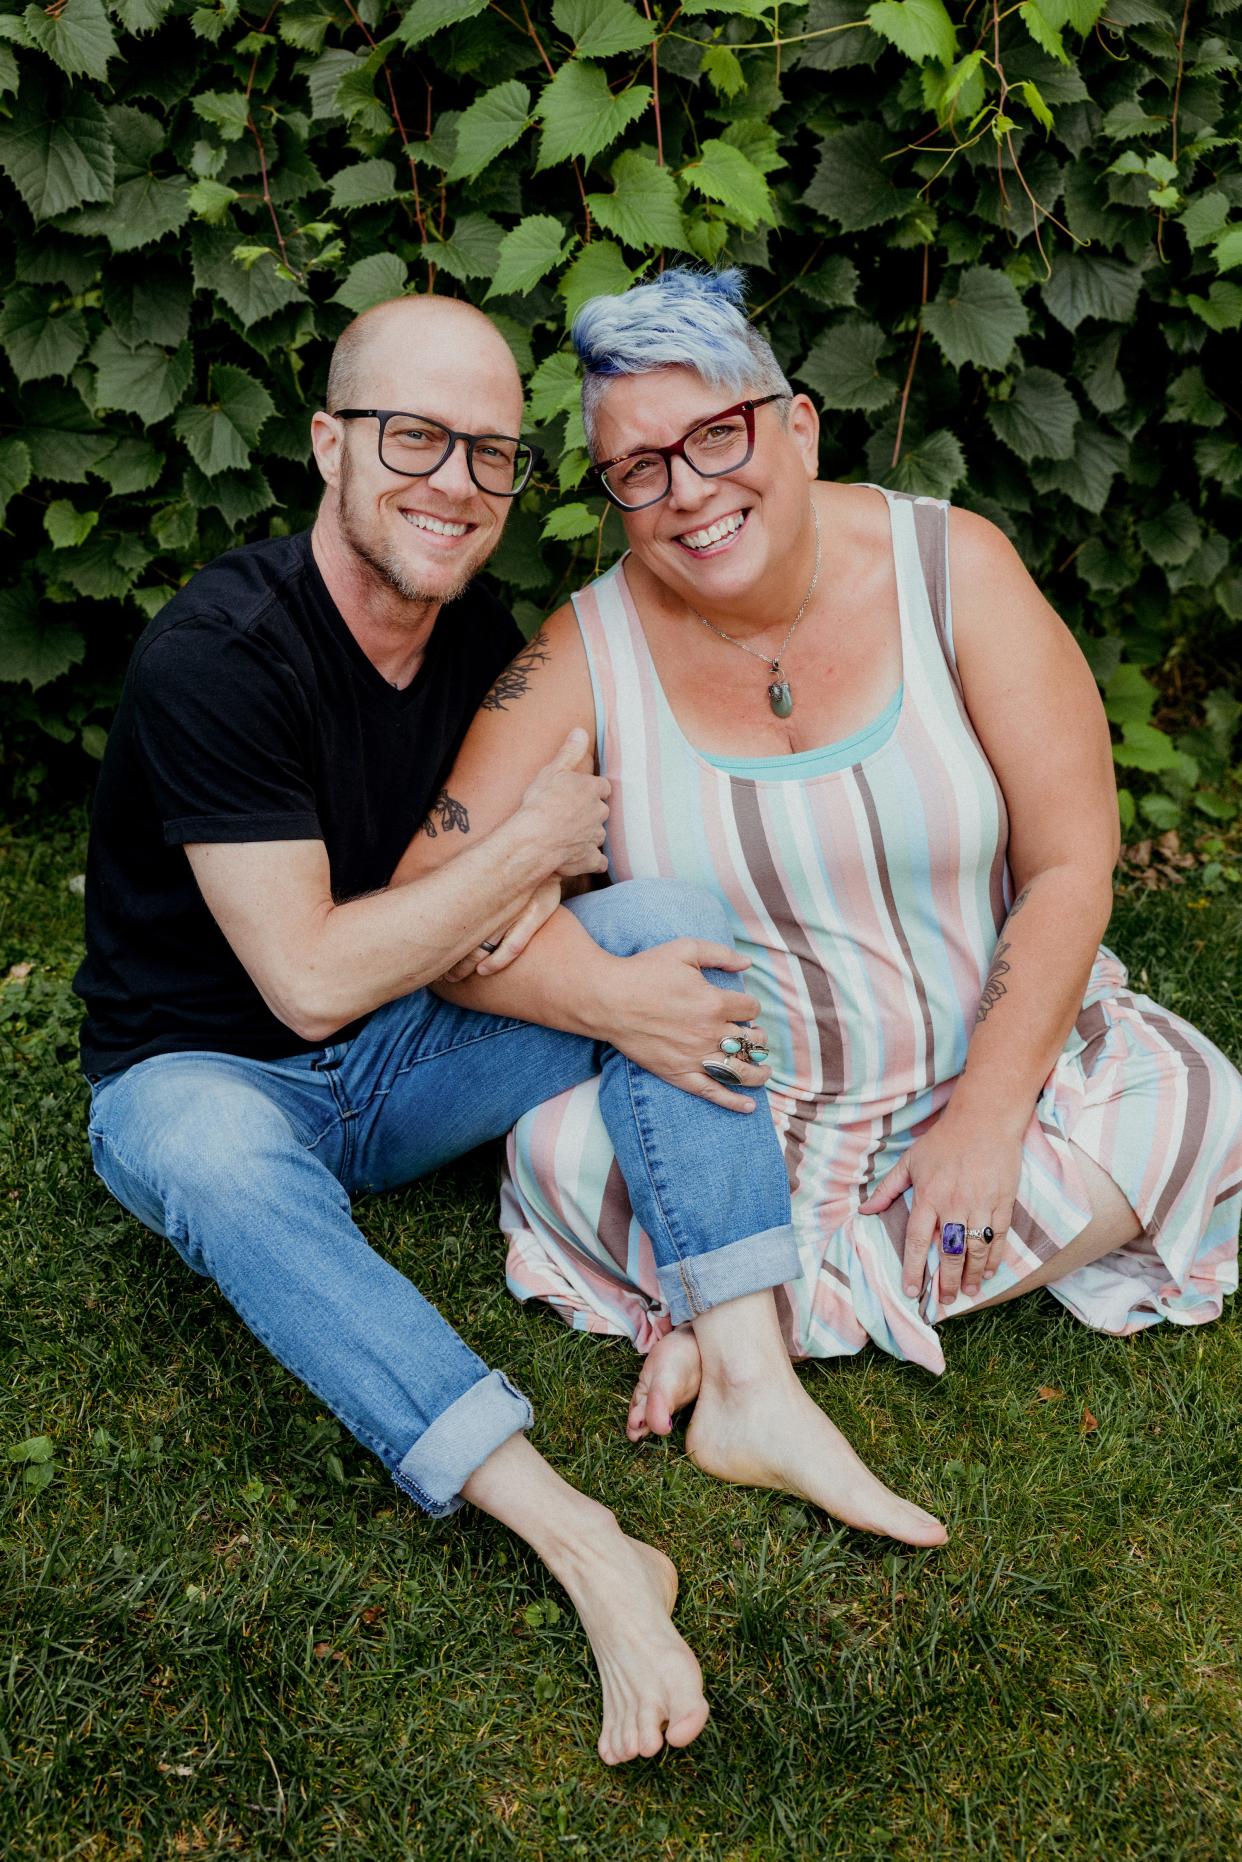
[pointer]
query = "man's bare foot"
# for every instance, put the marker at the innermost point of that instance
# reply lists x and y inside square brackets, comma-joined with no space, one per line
[769,1433]
[669,1379]
[624,1592]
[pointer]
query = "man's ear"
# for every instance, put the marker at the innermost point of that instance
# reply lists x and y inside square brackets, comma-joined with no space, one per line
[326,441]
[803,424]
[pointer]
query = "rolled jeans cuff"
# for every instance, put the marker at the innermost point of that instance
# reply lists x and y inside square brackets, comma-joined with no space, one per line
[460,1439]
[698,1282]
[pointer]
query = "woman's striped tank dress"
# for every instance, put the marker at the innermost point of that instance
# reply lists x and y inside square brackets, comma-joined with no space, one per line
[869,889]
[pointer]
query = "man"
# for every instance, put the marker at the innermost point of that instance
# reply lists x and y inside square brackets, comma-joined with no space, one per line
[261,1038]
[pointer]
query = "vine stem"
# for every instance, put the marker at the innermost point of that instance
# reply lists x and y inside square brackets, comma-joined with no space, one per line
[253,127]
[1177,104]
[655,88]
[419,221]
[914,356]
[550,68]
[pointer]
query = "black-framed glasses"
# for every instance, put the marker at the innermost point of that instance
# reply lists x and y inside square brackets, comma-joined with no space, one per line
[416,446]
[722,443]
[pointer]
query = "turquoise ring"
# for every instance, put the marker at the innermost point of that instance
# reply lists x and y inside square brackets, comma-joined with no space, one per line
[735,1044]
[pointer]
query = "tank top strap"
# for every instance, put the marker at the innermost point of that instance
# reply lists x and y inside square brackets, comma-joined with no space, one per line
[920,530]
[627,713]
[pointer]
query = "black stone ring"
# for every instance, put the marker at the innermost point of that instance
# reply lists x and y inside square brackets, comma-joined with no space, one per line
[979,1234]
[723,1076]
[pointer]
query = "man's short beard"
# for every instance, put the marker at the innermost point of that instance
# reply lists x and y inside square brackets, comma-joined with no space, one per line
[386,564]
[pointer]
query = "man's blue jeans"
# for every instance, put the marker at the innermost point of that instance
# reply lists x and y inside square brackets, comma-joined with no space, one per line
[248,1167]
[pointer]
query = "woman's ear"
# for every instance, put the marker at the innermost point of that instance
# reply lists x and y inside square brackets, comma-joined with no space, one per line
[802,424]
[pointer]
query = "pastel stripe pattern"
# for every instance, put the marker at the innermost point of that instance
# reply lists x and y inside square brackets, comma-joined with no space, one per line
[870,899]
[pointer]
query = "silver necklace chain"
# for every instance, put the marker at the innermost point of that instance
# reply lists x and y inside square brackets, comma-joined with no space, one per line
[775,664]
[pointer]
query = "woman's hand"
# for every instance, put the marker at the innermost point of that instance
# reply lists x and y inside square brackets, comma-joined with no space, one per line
[963,1171]
[507,945]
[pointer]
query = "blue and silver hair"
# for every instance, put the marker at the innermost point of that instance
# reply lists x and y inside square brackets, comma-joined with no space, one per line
[684,318]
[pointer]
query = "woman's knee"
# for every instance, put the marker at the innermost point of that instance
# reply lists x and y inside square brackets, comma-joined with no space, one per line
[639,913]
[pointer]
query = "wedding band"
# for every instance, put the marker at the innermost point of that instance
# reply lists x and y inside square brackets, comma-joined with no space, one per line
[489,948]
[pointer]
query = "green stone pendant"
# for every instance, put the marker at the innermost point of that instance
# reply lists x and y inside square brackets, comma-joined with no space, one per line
[780,697]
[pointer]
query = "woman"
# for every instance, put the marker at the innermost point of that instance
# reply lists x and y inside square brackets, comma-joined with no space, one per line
[851,715]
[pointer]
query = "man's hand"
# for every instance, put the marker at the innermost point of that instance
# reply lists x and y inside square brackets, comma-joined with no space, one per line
[508,944]
[669,1019]
[564,810]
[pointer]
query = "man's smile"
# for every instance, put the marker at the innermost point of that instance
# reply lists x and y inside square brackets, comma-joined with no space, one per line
[437,526]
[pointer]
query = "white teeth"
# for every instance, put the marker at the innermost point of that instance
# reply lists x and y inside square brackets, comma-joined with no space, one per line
[715,533]
[433,523]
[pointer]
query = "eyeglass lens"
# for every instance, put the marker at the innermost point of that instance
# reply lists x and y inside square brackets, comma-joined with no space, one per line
[417,447]
[718,446]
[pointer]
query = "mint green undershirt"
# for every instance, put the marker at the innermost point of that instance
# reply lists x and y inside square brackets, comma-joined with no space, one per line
[824,757]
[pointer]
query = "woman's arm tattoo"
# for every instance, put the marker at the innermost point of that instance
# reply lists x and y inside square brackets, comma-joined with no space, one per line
[993,988]
[514,681]
[449,812]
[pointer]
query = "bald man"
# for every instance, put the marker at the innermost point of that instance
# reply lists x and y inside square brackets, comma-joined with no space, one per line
[261,1039]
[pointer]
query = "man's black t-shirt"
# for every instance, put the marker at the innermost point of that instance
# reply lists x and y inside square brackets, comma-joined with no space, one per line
[250,713]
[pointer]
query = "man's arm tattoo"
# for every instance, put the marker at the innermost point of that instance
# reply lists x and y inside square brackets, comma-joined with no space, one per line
[993,988]
[1020,901]
[514,681]
[450,814]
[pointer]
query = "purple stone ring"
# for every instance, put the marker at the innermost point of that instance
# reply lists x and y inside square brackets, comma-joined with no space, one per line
[952,1237]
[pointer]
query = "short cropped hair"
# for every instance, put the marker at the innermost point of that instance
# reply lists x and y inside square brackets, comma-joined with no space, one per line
[684,318]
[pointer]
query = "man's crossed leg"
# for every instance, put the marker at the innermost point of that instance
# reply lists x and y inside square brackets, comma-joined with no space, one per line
[248,1166]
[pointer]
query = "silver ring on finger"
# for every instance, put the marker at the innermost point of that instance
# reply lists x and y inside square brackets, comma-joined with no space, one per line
[980,1234]
[753,1053]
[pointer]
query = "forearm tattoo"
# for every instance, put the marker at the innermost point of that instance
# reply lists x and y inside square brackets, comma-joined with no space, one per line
[450,814]
[514,681]
[993,987]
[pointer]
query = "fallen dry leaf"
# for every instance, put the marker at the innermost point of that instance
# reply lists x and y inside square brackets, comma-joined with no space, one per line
[18,971]
[1048,1393]
[1089,1423]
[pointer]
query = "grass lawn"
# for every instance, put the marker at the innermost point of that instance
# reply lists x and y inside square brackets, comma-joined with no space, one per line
[225,1633]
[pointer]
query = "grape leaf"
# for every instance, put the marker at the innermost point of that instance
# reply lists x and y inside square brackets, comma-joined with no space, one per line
[220,434]
[580,115]
[34,651]
[15,470]
[371,281]
[569,521]
[841,367]
[426,17]
[724,174]
[598,270]
[1085,478]
[66,525]
[78,37]
[921,29]
[148,303]
[852,184]
[1172,535]
[932,468]
[1038,419]
[57,152]
[250,294]
[555,387]
[145,380]
[979,320]
[492,124]
[598,28]
[471,249]
[363,184]
[528,253]
[37,343]
[1083,285]
[644,208]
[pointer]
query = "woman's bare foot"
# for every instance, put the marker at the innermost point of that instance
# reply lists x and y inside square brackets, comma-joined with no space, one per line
[624,1592]
[669,1379]
[770,1434]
